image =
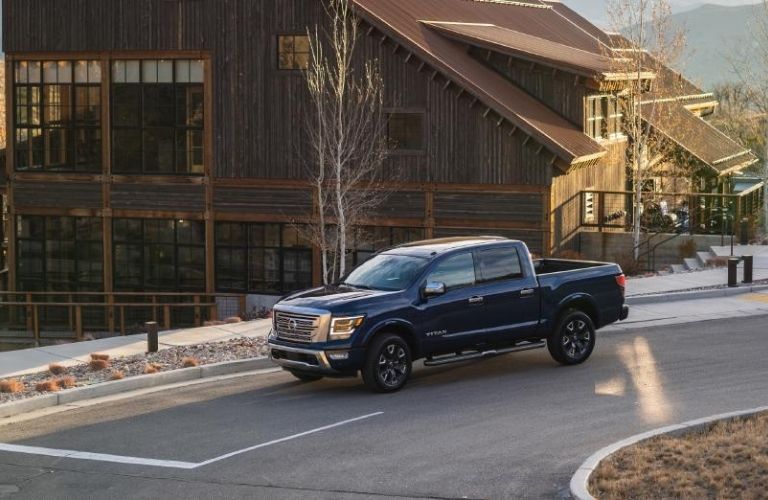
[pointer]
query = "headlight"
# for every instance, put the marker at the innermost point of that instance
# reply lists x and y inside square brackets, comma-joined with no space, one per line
[343,328]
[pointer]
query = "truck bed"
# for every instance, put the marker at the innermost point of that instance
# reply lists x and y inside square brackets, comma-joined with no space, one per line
[550,266]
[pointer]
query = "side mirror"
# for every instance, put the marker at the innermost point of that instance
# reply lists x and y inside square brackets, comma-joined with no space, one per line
[434,289]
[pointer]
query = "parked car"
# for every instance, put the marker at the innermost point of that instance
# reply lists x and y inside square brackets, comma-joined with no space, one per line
[445,301]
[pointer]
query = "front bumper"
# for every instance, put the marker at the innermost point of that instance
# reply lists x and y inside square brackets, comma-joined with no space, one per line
[315,361]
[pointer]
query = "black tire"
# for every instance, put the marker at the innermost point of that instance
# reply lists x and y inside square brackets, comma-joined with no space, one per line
[388,363]
[573,339]
[306,377]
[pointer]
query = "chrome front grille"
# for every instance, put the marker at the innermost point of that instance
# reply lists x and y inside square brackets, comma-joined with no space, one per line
[294,327]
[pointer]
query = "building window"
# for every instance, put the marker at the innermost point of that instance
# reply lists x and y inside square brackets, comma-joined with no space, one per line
[604,117]
[59,253]
[159,255]
[405,131]
[57,116]
[366,241]
[293,52]
[262,258]
[158,117]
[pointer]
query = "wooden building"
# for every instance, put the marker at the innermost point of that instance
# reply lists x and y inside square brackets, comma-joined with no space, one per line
[157,144]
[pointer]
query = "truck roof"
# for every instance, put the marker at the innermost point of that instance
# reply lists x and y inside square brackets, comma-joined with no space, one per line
[432,248]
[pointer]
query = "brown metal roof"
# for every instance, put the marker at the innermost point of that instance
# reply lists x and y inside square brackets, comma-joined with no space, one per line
[401,19]
[698,137]
[527,47]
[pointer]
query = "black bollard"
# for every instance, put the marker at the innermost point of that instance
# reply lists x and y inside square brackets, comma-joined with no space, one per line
[152,342]
[744,240]
[733,267]
[749,261]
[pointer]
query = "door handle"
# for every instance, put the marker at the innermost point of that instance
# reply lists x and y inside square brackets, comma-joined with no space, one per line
[475,300]
[527,292]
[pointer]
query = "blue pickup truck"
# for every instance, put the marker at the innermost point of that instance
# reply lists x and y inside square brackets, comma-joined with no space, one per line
[445,301]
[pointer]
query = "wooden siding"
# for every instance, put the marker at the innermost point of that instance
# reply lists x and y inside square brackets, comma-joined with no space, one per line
[257,109]
[401,204]
[277,202]
[560,91]
[507,207]
[607,175]
[162,197]
[534,239]
[57,195]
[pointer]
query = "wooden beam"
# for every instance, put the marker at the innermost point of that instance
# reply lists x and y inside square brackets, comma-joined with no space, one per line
[369,31]
[409,57]
[9,167]
[434,75]
[473,102]
[526,140]
[500,122]
[447,84]
[513,130]
[486,112]
[208,170]
[541,148]
[422,65]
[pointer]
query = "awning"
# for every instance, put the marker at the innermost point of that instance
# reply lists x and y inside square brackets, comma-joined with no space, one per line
[697,137]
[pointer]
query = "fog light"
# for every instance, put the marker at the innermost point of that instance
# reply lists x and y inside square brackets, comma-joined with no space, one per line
[338,355]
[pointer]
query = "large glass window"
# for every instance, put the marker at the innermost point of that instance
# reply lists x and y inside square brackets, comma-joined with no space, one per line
[159,255]
[293,52]
[59,253]
[158,117]
[57,115]
[262,258]
[405,131]
[604,117]
[367,240]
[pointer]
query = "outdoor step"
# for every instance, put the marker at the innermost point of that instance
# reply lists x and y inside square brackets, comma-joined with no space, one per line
[692,264]
[678,268]
[705,257]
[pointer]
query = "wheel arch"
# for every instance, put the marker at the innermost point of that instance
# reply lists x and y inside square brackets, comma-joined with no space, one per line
[581,302]
[399,327]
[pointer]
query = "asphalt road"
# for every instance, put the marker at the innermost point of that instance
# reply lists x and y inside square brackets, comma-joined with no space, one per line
[516,426]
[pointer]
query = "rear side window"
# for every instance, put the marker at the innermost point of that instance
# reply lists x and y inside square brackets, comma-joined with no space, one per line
[457,271]
[499,264]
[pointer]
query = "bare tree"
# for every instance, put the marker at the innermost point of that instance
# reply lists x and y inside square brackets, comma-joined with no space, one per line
[346,132]
[641,51]
[750,65]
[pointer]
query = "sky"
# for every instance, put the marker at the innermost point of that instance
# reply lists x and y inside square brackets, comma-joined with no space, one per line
[594,10]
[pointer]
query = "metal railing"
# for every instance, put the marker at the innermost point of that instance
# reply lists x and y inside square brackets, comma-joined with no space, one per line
[52,316]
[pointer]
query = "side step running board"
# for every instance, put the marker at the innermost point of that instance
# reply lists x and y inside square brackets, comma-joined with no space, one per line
[445,360]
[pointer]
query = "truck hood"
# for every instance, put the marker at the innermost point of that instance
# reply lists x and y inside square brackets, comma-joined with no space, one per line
[333,298]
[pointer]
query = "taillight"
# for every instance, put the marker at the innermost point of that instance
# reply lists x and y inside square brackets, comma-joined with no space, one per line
[621,280]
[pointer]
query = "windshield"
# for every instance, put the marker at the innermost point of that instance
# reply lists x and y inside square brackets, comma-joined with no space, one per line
[387,272]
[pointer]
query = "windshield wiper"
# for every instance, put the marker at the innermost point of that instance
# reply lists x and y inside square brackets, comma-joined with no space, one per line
[361,287]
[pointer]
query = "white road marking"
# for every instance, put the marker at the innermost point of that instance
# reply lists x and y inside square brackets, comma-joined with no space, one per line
[171,464]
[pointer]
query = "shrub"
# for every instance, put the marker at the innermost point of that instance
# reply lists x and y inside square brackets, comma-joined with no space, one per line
[189,362]
[116,375]
[67,382]
[629,265]
[56,369]
[11,386]
[233,319]
[99,357]
[152,368]
[99,364]
[50,385]
[687,249]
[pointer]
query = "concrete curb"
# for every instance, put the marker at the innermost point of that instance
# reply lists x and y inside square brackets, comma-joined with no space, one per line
[580,481]
[694,295]
[131,384]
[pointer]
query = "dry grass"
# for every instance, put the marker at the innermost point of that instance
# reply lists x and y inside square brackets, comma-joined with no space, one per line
[11,386]
[116,375]
[98,364]
[56,369]
[50,385]
[67,382]
[152,368]
[728,460]
[189,362]
[99,357]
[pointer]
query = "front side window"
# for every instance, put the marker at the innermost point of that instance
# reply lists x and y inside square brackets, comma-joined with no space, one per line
[158,117]
[293,52]
[499,264]
[457,271]
[57,116]
[405,131]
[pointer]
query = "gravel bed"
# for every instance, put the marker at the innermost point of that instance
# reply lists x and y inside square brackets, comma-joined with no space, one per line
[130,366]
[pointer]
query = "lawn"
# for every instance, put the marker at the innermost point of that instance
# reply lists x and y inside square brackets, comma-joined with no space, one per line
[726,460]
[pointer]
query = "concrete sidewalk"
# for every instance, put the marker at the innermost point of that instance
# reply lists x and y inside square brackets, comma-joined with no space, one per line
[708,278]
[13,363]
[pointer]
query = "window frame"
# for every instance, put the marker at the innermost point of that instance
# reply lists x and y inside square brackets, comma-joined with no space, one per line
[278,53]
[603,111]
[395,151]
[480,275]
[142,128]
[447,258]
